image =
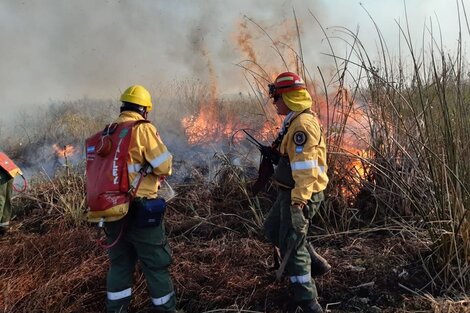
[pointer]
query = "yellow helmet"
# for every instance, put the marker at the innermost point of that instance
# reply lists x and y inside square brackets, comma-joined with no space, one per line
[138,95]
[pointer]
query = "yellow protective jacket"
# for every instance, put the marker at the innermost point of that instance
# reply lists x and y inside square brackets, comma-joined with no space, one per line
[146,146]
[305,146]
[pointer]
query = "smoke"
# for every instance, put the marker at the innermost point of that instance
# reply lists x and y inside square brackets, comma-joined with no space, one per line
[64,50]
[61,51]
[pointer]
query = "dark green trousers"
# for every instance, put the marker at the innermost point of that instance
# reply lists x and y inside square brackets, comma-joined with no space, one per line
[5,203]
[150,247]
[278,229]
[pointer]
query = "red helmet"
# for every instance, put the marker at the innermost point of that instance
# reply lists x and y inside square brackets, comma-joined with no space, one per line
[285,82]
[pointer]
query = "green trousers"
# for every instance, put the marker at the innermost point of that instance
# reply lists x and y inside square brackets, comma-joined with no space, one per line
[5,203]
[150,247]
[278,228]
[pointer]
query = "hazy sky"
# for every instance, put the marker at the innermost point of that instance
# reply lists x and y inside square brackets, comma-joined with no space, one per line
[64,49]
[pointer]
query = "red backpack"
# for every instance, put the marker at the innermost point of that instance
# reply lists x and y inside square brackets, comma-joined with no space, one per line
[107,180]
[9,166]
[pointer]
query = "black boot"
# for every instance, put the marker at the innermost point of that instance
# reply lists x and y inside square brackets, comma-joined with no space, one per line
[320,266]
[311,306]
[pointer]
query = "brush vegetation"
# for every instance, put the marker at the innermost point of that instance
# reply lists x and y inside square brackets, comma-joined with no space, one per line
[398,206]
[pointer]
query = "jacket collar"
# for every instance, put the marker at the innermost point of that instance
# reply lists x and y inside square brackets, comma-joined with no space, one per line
[129,116]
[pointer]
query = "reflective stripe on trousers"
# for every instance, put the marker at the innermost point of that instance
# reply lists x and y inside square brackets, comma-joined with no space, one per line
[118,295]
[304,279]
[162,300]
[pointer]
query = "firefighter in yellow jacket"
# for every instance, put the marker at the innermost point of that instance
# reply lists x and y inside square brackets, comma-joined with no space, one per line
[6,187]
[148,245]
[8,172]
[301,177]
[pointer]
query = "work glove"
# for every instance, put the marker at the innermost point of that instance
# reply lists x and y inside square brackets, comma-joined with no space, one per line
[299,222]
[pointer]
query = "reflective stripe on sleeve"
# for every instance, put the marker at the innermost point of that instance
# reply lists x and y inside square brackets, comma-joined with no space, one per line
[134,168]
[304,279]
[160,159]
[304,165]
[118,295]
[162,300]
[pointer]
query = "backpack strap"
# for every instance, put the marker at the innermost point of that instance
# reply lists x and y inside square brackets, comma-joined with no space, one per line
[277,142]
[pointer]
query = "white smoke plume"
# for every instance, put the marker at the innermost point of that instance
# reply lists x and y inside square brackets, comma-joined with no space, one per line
[60,51]
[63,50]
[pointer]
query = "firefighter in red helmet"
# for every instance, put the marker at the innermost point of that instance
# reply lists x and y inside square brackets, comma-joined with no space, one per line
[300,177]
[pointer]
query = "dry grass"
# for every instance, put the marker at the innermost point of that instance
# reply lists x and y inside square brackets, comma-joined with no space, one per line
[395,225]
[221,264]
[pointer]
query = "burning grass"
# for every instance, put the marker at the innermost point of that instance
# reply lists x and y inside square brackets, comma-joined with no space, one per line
[45,139]
[395,225]
[51,263]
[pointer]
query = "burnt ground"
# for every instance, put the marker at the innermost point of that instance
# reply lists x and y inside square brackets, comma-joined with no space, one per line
[221,263]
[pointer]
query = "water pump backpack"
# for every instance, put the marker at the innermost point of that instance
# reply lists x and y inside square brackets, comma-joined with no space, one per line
[107,180]
[8,168]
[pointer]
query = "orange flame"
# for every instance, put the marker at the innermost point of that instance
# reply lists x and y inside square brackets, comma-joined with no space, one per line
[211,124]
[65,151]
[348,133]
[206,127]
[283,39]
[243,39]
[348,128]
[345,123]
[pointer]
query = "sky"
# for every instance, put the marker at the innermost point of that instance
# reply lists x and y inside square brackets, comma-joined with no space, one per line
[63,50]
